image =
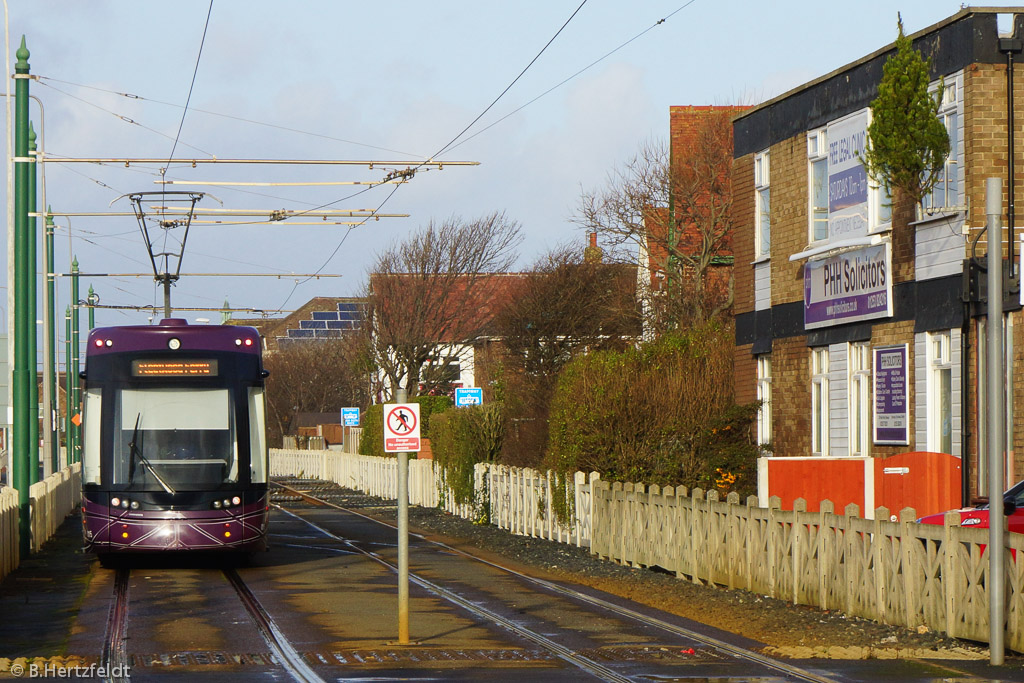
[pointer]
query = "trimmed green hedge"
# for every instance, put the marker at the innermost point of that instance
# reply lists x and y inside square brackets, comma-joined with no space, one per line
[460,439]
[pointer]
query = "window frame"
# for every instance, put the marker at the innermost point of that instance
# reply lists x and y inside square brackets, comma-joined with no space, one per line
[940,381]
[762,196]
[820,401]
[859,399]
[951,116]
[764,394]
[817,157]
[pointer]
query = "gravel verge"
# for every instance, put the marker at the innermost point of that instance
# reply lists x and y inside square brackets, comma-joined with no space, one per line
[787,630]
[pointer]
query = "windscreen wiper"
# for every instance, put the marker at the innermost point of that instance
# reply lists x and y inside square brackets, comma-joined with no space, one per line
[135,452]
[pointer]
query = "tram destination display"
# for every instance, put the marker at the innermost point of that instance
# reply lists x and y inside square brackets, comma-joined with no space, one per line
[174,368]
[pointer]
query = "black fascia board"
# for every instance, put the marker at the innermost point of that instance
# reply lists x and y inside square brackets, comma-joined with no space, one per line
[952,45]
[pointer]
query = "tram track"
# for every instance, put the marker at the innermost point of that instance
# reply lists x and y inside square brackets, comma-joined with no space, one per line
[116,660]
[598,670]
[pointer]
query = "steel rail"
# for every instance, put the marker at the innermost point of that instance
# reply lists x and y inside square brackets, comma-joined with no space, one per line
[562,652]
[115,649]
[732,650]
[115,660]
[288,656]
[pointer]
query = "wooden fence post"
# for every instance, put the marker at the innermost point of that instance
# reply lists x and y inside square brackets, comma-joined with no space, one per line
[910,575]
[826,545]
[799,539]
[951,520]
[877,552]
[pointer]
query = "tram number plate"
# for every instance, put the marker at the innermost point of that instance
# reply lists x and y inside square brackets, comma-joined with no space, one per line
[174,368]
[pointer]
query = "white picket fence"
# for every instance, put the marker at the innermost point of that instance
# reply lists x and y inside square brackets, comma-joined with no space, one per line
[50,502]
[10,550]
[520,499]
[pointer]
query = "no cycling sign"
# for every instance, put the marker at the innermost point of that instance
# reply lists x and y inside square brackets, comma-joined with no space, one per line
[401,427]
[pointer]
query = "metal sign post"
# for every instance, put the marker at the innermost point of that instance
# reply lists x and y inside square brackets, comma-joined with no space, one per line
[401,435]
[996,413]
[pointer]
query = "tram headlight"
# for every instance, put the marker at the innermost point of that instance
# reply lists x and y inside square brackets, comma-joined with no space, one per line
[174,343]
[124,503]
[236,501]
[216,505]
[135,505]
[115,502]
[227,502]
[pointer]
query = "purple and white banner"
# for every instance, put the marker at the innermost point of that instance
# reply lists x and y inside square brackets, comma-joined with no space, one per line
[847,179]
[853,286]
[892,412]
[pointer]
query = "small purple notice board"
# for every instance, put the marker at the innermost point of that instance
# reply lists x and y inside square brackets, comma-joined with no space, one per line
[891,410]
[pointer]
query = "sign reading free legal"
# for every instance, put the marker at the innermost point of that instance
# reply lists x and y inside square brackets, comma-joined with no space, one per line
[847,179]
[401,427]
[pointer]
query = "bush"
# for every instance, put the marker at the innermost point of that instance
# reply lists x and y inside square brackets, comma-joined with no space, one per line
[371,439]
[462,438]
[661,414]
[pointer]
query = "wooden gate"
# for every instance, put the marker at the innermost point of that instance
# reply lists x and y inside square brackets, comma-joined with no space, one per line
[927,482]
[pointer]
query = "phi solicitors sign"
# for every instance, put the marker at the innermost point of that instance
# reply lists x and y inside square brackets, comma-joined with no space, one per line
[853,286]
[892,412]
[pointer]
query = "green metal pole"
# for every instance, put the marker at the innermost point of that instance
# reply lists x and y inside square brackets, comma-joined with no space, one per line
[76,397]
[92,311]
[67,389]
[33,341]
[50,370]
[22,319]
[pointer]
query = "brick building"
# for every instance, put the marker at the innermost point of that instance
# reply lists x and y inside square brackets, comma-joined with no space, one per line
[673,243]
[856,318]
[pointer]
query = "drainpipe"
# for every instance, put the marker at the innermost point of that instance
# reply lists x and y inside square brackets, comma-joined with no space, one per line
[1010,46]
[965,395]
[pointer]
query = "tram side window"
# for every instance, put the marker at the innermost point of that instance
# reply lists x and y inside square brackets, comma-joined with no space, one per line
[91,433]
[257,435]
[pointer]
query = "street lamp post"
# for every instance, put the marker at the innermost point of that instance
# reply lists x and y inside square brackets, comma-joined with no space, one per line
[92,300]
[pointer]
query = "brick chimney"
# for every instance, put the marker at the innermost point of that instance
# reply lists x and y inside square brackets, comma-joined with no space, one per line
[593,253]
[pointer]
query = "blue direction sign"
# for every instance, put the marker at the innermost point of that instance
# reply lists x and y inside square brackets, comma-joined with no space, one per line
[350,417]
[468,396]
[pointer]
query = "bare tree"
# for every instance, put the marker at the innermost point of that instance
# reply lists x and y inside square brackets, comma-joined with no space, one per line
[314,377]
[430,296]
[673,207]
[565,305]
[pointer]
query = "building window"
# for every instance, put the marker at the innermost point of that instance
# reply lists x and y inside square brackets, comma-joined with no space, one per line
[764,395]
[819,401]
[762,198]
[940,392]
[860,397]
[817,191]
[880,198]
[945,196]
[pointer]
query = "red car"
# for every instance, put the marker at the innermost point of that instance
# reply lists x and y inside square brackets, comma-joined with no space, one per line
[1013,508]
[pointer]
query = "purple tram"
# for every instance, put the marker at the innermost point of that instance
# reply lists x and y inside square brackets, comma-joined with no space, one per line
[174,453]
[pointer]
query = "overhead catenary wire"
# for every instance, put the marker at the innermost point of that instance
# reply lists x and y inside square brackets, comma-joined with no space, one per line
[460,140]
[191,86]
[43,80]
[461,133]
[573,76]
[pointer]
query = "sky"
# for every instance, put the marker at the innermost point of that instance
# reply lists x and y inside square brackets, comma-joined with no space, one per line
[386,82]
